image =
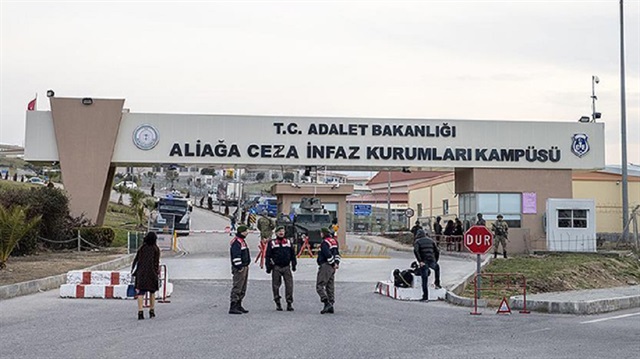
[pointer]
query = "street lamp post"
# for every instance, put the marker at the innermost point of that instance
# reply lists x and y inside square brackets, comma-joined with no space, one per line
[594,115]
[388,201]
[623,129]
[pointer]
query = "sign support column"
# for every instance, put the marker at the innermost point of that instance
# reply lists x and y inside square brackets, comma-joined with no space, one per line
[478,240]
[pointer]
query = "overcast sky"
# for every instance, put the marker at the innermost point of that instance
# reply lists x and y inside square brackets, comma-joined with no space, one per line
[494,60]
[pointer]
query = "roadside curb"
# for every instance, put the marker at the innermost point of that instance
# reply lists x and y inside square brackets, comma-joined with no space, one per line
[582,307]
[53,282]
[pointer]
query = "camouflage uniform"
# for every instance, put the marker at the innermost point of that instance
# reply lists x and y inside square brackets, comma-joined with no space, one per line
[266,227]
[500,231]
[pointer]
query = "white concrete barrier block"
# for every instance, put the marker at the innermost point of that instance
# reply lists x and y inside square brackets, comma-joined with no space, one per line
[120,291]
[94,291]
[74,277]
[68,291]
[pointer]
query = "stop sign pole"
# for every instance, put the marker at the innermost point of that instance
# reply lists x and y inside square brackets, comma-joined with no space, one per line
[478,240]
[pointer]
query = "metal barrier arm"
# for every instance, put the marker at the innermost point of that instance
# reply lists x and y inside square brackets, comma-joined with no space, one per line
[493,286]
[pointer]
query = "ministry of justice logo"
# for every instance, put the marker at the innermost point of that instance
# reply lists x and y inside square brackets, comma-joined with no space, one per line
[145,137]
[580,144]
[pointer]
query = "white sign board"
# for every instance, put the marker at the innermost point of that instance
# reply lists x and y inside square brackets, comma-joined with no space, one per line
[351,143]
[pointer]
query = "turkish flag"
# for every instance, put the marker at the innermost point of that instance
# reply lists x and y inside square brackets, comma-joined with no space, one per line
[32,105]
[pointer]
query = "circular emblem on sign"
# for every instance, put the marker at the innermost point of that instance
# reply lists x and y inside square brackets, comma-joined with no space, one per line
[409,212]
[145,137]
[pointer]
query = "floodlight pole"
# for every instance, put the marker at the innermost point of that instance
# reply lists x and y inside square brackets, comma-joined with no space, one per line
[623,130]
[593,98]
[388,201]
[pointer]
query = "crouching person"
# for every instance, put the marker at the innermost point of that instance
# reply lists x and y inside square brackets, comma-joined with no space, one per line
[240,260]
[328,262]
[281,260]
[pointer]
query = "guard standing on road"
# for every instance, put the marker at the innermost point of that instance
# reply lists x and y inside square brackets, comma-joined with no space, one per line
[266,226]
[481,221]
[240,260]
[281,260]
[500,231]
[427,254]
[328,263]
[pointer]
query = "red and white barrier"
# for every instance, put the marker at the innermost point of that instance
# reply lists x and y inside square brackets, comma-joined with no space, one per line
[98,277]
[227,230]
[104,284]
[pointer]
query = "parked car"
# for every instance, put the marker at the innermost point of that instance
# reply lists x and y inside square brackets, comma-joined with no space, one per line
[36,180]
[127,184]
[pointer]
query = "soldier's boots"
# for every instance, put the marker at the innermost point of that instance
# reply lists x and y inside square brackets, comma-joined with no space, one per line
[241,308]
[233,309]
[495,254]
[278,306]
[328,308]
[289,307]
[504,253]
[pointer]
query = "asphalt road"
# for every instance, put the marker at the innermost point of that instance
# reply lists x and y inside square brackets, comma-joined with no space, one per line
[196,325]
[366,325]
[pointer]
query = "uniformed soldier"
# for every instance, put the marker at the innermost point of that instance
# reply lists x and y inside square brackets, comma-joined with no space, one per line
[500,231]
[281,260]
[265,226]
[240,260]
[328,263]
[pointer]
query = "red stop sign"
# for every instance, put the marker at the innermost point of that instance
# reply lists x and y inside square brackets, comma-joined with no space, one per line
[478,239]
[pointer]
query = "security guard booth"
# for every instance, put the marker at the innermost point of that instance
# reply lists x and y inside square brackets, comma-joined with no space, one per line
[332,196]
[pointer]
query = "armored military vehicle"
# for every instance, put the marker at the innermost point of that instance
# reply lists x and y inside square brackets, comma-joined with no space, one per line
[308,219]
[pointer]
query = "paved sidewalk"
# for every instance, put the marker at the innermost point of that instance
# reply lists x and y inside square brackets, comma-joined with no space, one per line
[592,301]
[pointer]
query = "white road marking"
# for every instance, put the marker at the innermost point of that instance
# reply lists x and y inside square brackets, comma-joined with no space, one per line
[609,318]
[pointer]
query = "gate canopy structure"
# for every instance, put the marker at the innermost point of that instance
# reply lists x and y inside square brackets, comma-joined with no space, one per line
[90,137]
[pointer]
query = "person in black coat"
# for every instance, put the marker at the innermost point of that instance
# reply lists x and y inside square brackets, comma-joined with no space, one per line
[240,261]
[146,269]
[415,228]
[328,263]
[427,254]
[281,259]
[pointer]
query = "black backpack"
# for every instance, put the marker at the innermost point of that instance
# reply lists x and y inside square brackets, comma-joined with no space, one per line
[402,279]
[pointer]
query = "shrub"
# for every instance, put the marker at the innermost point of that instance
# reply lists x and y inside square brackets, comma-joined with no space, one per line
[98,236]
[52,205]
[13,227]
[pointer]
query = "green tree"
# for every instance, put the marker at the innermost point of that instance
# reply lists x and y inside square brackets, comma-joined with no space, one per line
[121,190]
[172,176]
[13,227]
[137,202]
[288,176]
[208,171]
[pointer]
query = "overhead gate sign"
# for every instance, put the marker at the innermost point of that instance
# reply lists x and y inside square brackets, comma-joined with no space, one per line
[351,143]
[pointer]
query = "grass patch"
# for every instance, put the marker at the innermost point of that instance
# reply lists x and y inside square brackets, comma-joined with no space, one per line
[121,219]
[561,272]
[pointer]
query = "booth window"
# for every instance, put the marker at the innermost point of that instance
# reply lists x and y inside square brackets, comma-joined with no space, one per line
[490,205]
[572,218]
[419,210]
[445,207]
